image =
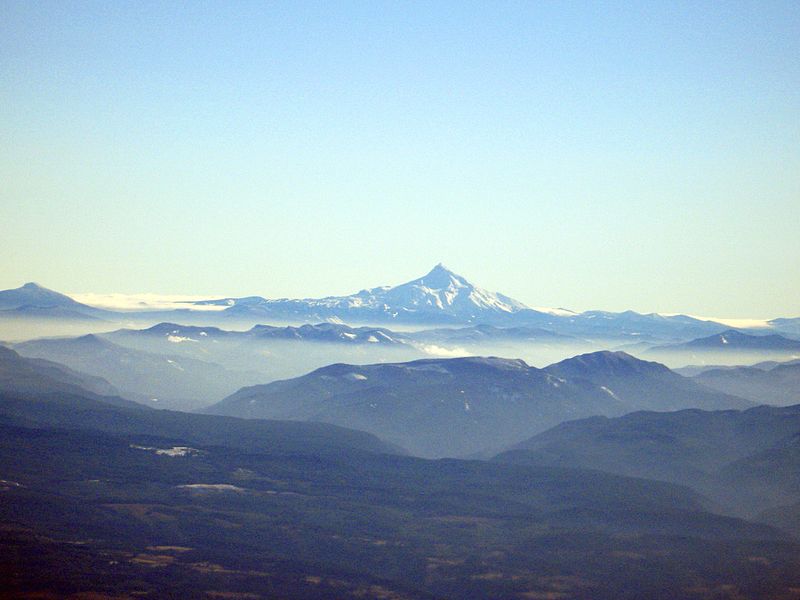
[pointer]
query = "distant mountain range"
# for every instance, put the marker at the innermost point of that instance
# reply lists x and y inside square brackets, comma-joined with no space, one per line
[272,352]
[464,406]
[33,300]
[321,332]
[778,385]
[210,341]
[726,348]
[744,460]
[38,394]
[483,333]
[162,381]
[33,377]
[441,297]
[732,339]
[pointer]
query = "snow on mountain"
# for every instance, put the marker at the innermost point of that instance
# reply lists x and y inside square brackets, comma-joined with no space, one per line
[440,290]
[439,296]
[442,297]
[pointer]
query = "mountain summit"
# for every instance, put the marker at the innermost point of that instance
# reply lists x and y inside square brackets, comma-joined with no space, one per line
[440,296]
[453,407]
[440,277]
[34,295]
[33,300]
[441,292]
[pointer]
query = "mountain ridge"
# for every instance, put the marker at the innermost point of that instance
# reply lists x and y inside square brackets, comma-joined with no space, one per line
[745,460]
[441,297]
[464,406]
[438,296]
[32,300]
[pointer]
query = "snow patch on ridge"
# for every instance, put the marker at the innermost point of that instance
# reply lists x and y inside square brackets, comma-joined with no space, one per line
[176,339]
[212,487]
[174,451]
[610,392]
[356,377]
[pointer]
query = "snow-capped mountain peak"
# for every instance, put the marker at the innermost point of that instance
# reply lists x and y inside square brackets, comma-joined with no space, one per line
[440,277]
[440,296]
[443,291]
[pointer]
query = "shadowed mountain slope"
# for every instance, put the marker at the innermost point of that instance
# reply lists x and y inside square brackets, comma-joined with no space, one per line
[30,377]
[175,381]
[779,385]
[728,455]
[34,301]
[463,406]
[643,385]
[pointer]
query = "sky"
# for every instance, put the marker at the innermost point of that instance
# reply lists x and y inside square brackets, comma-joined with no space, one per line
[637,155]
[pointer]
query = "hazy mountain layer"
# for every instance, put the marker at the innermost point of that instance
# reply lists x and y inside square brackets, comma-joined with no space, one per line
[34,301]
[458,407]
[31,377]
[730,347]
[642,385]
[272,352]
[75,408]
[779,385]
[729,455]
[441,297]
[444,297]
[173,381]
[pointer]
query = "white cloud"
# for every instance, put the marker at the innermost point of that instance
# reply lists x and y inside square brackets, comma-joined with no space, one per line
[739,323]
[145,302]
[435,350]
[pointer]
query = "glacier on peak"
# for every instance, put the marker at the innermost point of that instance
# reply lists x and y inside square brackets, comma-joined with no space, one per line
[438,296]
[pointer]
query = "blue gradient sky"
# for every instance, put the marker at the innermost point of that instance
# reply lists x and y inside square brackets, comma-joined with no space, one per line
[586,155]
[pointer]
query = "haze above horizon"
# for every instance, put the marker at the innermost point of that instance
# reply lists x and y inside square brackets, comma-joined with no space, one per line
[620,156]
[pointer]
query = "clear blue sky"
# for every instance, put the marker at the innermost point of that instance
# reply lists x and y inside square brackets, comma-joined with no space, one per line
[588,155]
